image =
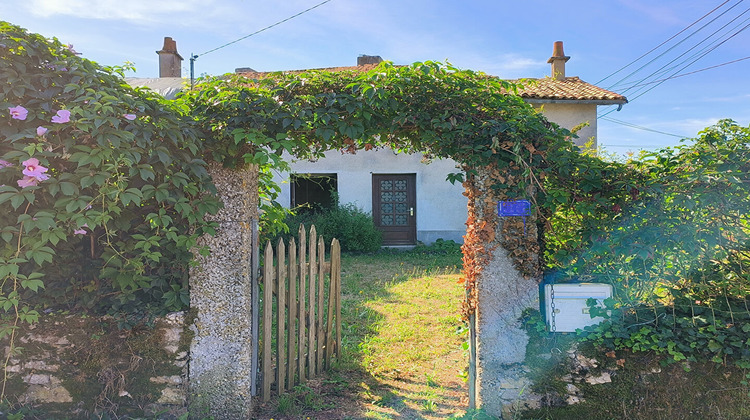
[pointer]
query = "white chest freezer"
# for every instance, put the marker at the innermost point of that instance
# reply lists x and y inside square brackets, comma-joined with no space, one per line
[571,311]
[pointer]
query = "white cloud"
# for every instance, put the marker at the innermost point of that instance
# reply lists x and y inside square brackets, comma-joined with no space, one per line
[137,11]
[663,14]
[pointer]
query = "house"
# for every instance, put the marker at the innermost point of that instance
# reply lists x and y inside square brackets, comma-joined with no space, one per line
[408,196]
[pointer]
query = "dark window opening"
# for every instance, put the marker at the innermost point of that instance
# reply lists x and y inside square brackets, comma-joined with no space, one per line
[313,192]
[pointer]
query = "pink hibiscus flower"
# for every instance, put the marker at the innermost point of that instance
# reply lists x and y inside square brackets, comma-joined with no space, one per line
[40,131]
[62,116]
[34,169]
[18,112]
[27,181]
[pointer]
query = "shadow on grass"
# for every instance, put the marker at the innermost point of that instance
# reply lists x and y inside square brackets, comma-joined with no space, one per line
[350,390]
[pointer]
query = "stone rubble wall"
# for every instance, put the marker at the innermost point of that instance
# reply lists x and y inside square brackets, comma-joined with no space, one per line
[48,373]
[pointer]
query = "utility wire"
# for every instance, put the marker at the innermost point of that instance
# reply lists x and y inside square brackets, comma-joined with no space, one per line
[675,46]
[627,124]
[681,69]
[689,73]
[658,46]
[194,57]
[701,51]
[690,63]
[264,29]
[663,69]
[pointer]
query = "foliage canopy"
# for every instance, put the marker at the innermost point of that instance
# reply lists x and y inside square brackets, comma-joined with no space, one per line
[104,189]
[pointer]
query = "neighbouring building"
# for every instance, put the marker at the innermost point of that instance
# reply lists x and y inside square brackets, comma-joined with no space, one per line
[409,197]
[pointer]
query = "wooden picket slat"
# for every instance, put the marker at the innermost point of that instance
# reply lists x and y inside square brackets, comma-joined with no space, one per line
[267,322]
[292,340]
[336,253]
[301,314]
[331,308]
[280,318]
[321,287]
[311,299]
[305,317]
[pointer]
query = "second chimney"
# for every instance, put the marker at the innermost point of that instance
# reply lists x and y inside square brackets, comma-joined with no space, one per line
[368,59]
[170,62]
[558,61]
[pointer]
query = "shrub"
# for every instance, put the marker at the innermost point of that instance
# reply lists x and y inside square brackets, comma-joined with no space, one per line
[103,187]
[352,226]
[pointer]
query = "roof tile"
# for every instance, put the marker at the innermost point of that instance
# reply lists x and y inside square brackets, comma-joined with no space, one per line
[567,89]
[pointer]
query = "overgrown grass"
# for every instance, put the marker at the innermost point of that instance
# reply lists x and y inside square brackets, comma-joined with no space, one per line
[402,314]
[402,358]
[402,342]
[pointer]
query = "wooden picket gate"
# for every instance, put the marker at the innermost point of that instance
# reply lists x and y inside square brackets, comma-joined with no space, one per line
[298,316]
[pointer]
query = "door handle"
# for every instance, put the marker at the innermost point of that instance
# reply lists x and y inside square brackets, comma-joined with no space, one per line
[411,211]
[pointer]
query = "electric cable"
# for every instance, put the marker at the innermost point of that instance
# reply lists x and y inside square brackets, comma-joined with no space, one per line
[194,57]
[663,69]
[264,29]
[689,73]
[627,124]
[681,69]
[658,46]
[675,46]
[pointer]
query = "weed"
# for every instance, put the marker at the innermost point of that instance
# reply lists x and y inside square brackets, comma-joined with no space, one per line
[286,405]
[429,406]
[431,382]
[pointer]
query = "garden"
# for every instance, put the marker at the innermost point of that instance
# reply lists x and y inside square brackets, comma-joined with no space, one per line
[105,192]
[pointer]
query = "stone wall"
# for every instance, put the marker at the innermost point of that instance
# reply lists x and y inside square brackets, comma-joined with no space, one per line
[75,366]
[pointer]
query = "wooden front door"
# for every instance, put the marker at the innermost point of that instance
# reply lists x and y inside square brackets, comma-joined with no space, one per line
[394,208]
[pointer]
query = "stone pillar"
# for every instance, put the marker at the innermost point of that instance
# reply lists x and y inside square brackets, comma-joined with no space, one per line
[502,293]
[220,295]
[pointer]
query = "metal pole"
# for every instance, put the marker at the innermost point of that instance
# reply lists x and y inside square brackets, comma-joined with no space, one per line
[192,70]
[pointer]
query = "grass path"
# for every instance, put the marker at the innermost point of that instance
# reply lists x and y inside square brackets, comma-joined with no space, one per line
[402,338]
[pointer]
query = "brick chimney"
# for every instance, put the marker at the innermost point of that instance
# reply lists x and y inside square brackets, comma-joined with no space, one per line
[558,61]
[368,59]
[170,62]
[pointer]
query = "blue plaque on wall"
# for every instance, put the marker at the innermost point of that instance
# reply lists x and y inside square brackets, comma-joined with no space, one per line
[514,208]
[521,208]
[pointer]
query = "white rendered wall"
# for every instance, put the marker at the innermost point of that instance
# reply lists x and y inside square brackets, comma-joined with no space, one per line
[441,206]
[568,115]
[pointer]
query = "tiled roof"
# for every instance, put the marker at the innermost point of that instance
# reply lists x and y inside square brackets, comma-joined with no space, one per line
[361,68]
[567,89]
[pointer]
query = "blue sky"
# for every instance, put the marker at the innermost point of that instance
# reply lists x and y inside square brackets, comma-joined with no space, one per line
[510,39]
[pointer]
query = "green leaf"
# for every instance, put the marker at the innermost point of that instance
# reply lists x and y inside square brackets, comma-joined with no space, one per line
[33,285]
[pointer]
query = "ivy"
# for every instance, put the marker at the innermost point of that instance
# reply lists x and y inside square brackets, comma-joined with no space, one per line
[431,108]
[671,223]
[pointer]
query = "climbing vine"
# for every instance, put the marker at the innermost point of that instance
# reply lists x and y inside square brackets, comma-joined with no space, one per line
[103,187]
[430,107]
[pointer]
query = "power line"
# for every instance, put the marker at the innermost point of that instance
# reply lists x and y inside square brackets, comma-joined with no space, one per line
[702,53]
[627,124]
[681,69]
[658,46]
[704,50]
[665,69]
[689,73]
[678,44]
[194,57]
[264,29]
